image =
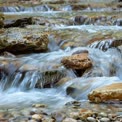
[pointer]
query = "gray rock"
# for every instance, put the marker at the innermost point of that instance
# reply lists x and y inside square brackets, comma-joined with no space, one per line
[102,114]
[69,120]
[105,119]
[91,119]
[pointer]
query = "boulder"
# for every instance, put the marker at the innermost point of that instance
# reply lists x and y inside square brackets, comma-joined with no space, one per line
[77,61]
[106,93]
[27,44]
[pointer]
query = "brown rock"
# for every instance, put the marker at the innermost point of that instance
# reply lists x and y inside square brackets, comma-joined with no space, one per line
[84,113]
[39,105]
[106,93]
[37,117]
[77,61]
[26,45]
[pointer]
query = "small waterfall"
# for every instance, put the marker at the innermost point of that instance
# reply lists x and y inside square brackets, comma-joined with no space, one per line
[52,46]
[25,9]
[106,44]
[32,72]
[106,63]
[79,88]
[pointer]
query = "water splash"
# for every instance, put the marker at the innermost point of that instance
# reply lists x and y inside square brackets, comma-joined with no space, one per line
[31,71]
[104,63]
[106,44]
[79,88]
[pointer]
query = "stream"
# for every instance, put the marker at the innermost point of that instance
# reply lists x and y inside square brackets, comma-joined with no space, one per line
[23,82]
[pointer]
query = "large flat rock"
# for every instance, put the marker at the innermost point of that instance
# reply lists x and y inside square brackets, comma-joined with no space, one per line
[106,93]
[23,41]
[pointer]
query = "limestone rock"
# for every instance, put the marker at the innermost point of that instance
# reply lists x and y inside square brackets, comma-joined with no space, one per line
[77,61]
[106,93]
[25,45]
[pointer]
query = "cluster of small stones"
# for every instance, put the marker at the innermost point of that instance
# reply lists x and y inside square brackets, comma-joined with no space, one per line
[73,114]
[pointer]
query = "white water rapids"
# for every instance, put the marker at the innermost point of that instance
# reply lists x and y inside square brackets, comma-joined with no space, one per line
[103,64]
[18,88]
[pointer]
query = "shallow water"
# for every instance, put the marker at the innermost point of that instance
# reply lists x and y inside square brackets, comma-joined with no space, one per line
[55,97]
[107,68]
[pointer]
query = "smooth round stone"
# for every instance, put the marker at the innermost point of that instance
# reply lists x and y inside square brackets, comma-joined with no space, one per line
[32,121]
[39,105]
[79,121]
[91,119]
[69,120]
[37,117]
[102,114]
[74,115]
[104,119]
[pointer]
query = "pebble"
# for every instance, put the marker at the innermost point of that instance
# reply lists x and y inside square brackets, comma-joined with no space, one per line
[74,115]
[79,121]
[37,117]
[32,121]
[102,114]
[105,119]
[39,105]
[91,119]
[69,120]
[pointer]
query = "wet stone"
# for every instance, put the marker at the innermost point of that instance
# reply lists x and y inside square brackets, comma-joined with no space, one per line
[39,105]
[37,117]
[91,119]
[32,121]
[105,119]
[77,61]
[58,116]
[102,114]
[74,115]
[69,120]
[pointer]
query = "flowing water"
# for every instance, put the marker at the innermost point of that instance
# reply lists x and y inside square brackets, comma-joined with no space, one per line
[18,85]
